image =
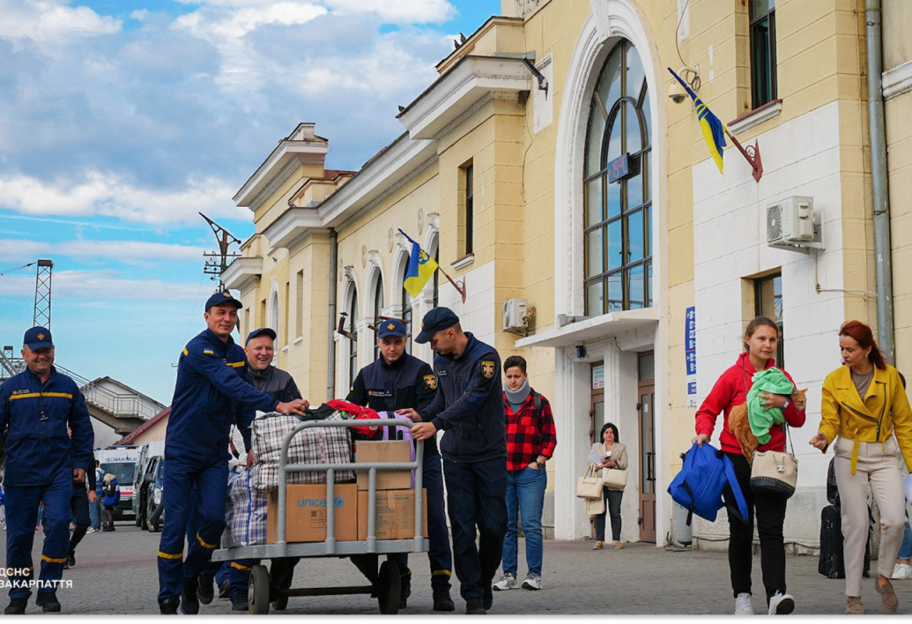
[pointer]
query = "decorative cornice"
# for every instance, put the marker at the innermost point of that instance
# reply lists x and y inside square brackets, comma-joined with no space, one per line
[292,225]
[277,181]
[755,117]
[241,271]
[897,80]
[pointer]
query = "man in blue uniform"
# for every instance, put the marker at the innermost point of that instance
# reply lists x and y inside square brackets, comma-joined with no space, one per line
[469,409]
[36,407]
[211,393]
[398,381]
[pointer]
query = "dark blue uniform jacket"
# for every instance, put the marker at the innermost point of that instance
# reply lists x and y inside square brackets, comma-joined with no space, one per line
[39,451]
[211,393]
[407,382]
[469,404]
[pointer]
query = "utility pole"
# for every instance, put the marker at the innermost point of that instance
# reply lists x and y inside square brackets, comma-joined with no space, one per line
[218,261]
[42,317]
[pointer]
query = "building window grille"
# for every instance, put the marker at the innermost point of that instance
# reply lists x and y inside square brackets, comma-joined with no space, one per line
[763,52]
[406,303]
[768,298]
[378,309]
[469,209]
[353,331]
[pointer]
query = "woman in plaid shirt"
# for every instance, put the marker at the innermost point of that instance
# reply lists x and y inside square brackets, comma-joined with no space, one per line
[531,438]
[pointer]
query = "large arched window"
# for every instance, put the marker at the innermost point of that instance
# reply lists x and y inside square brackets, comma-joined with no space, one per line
[618,205]
[378,308]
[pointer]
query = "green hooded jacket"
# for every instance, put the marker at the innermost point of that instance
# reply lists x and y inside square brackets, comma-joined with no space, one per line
[773,381]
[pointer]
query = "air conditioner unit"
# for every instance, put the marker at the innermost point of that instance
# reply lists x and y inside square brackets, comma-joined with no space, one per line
[514,314]
[791,223]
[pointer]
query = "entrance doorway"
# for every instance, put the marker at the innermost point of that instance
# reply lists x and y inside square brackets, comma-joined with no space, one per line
[596,413]
[646,418]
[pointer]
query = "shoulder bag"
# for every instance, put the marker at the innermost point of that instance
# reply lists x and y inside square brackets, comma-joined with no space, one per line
[589,485]
[775,473]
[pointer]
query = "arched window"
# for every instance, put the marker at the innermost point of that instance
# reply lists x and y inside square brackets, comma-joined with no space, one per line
[353,330]
[274,314]
[405,301]
[378,309]
[618,204]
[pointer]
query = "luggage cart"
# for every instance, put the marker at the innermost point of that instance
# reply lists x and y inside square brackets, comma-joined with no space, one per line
[384,584]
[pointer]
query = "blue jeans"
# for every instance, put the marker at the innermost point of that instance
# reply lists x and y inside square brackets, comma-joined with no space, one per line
[95,512]
[905,551]
[526,492]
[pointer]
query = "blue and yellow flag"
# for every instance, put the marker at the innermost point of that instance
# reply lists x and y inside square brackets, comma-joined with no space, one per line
[421,268]
[713,129]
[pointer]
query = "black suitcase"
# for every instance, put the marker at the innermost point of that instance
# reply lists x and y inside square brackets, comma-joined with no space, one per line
[832,563]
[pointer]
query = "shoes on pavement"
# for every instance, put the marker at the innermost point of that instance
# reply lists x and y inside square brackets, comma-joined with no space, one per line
[902,572]
[475,606]
[781,604]
[205,590]
[854,606]
[618,545]
[71,559]
[598,546]
[743,605]
[168,606]
[507,581]
[533,581]
[488,600]
[224,588]
[887,595]
[189,603]
[48,602]
[16,606]
[405,589]
[442,600]
[239,602]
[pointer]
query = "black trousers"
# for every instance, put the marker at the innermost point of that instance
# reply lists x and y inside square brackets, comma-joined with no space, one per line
[79,509]
[769,513]
[613,509]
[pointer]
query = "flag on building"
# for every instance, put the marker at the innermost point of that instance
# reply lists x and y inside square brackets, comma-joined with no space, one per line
[713,130]
[421,268]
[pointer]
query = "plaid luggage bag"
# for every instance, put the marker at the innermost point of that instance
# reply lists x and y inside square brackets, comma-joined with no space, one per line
[317,445]
[246,513]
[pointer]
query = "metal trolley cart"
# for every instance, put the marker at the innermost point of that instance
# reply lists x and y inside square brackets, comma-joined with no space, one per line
[384,584]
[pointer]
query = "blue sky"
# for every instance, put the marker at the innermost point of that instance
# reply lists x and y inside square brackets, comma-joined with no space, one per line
[120,120]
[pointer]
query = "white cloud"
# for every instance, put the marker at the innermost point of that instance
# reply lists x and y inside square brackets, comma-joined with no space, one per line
[124,251]
[102,286]
[51,21]
[215,25]
[398,11]
[110,195]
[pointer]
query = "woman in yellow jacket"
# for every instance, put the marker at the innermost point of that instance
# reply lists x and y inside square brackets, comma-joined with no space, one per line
[865,404]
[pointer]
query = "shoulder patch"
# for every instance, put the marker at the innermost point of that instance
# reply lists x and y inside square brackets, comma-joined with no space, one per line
[487,368]
[430,381]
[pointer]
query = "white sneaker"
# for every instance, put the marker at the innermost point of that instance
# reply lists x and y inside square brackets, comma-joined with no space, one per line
[781,604]
[507,581]
[743,605]
[533,581]
[902,572]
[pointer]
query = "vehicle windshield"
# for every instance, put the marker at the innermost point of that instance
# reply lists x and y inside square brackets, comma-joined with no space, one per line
[123,472]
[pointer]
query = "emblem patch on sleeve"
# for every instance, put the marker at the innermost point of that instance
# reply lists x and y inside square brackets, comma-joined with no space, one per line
[487,368]
[430,381]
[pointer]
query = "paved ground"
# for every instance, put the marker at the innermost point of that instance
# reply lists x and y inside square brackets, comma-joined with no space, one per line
[116,574]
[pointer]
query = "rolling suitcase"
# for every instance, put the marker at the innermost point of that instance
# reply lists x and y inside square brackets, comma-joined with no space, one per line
[832,563]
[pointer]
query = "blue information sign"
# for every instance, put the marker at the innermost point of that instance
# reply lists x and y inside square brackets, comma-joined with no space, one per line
[690,353]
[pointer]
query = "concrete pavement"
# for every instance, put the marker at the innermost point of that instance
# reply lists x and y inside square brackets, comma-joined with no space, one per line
[116,574]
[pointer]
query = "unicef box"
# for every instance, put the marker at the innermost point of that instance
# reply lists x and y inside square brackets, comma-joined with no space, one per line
[305,513]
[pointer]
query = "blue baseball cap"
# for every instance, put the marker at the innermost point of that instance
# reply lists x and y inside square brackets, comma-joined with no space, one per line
[391,327]
[38,338]
[263,331]
[222,297]
[434,321]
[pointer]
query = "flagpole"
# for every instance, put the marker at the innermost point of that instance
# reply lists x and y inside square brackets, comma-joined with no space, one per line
[754,160]
[460,289]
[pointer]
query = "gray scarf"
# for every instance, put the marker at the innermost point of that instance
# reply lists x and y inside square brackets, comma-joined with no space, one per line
[517,397]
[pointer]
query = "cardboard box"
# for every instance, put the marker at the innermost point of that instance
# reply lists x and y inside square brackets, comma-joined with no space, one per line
[305,513]
[392,451]
[395,514]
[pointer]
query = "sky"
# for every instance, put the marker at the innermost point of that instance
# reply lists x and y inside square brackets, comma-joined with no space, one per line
[121,120]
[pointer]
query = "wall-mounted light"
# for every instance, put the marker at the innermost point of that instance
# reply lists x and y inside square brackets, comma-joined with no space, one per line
[580,352]
[677,92]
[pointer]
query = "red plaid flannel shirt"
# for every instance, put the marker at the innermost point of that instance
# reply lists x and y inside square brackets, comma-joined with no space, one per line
[527,436]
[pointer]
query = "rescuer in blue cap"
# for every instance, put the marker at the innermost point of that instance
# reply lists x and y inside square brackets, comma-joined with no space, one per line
[468,408]
[36,408]
[397,381]
[211,393]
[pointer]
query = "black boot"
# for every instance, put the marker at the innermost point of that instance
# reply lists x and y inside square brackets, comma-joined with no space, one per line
[475,606]
[189,603]
[405,589]
[224,588]
[168,606]
[205,592]
[71,559]
[239,602]
[16,606]
[48,602]
[442,600]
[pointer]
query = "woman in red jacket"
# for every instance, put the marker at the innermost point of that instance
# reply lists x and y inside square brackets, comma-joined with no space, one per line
[760,340]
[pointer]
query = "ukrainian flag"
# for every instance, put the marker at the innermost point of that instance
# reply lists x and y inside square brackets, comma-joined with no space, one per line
[421,268]
[713,130]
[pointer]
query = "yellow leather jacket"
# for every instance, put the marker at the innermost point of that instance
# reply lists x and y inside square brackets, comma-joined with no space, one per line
[884,411]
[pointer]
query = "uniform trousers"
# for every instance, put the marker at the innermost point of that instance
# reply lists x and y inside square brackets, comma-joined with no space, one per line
[79,510]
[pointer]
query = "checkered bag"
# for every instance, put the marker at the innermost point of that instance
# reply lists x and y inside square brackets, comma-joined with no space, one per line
[246,513]
[317,445]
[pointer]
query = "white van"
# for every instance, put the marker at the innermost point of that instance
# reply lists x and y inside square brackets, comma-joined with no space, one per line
[121,462]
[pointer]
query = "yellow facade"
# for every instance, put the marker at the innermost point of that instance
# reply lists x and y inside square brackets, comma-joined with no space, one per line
[527,206]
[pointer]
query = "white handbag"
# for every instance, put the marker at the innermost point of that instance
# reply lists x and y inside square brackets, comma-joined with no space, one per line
[614,478]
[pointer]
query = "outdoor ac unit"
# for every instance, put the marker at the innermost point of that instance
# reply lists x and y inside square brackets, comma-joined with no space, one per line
[514,314]
[791,223]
